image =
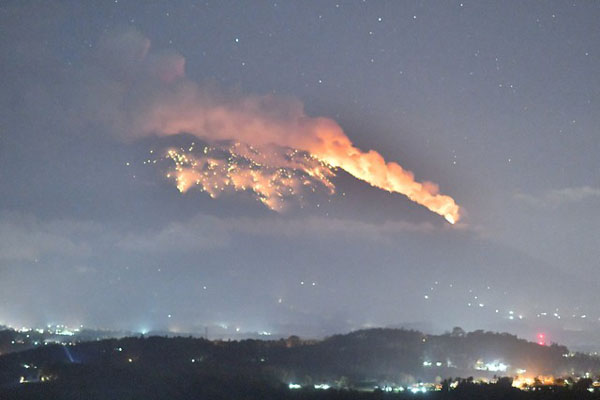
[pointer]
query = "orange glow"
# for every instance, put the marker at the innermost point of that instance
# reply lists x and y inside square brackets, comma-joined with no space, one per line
[521,381]
[315,159]
[241,168]
[336,149]
[269,127]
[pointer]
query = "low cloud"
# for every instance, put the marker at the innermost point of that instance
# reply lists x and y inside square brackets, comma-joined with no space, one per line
[207,232]
[200,233]
[327,227]
[557,197]
[26,239]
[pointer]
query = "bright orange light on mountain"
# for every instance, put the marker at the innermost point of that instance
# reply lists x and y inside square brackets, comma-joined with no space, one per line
[273,146]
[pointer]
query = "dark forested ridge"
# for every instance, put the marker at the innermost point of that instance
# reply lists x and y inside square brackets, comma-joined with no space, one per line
[160,367]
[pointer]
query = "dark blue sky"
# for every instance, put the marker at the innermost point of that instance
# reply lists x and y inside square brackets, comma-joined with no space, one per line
[497,102]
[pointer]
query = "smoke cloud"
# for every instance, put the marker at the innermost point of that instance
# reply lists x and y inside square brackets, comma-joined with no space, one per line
[266,144]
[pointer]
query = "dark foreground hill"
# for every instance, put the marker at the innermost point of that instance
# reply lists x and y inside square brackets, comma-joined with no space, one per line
[181,368]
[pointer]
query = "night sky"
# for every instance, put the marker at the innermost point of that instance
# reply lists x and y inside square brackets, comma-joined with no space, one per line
[496,102]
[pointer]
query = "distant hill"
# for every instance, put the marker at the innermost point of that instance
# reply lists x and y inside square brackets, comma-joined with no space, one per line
[380,356]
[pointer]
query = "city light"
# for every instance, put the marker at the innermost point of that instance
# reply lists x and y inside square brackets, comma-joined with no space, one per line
[541,337]
[322,386]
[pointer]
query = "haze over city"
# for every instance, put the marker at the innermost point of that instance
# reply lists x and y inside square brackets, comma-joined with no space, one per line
[183,166]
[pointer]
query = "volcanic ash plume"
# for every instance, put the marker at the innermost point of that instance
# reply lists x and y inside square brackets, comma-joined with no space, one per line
[268,144]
